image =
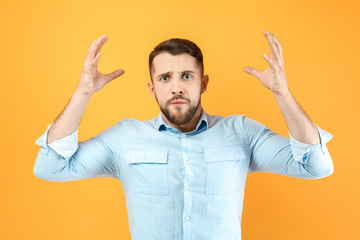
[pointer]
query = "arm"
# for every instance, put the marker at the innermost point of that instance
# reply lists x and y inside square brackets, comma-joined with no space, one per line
[60,157]
[273,78]
[90,82]
[298,122]
[273,153]
[303,132]
[96,157]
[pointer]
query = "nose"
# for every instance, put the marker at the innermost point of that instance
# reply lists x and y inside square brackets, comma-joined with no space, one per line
[177,88]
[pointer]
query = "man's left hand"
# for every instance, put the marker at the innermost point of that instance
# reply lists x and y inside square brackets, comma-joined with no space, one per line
[273,77]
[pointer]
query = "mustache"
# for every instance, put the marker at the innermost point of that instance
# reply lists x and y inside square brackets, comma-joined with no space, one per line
[168,102]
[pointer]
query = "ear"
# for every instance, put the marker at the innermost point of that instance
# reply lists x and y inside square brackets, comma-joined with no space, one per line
[151,89]
[204,83]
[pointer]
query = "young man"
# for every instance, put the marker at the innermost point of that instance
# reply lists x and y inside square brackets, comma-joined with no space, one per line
[184,171]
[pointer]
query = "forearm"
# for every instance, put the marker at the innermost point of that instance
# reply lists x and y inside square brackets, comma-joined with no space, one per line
[298,122]
[68,121]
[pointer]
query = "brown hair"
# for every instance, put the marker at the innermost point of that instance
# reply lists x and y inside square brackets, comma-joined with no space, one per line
[177,46]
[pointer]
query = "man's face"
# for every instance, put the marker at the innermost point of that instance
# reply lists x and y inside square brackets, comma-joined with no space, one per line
[177,85]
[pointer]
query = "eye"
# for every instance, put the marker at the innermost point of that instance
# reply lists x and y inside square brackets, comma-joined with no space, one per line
[187,76]
[164,78]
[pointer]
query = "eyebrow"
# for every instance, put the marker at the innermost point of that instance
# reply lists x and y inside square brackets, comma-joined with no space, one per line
[163,74]
[168,73]
[187,71]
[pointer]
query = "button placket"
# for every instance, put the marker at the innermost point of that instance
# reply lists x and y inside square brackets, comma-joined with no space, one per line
[188,174]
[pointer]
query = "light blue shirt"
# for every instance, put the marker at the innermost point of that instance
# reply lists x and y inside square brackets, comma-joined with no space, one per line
[183,186]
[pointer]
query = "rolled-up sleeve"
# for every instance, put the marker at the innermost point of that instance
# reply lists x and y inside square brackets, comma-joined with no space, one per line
[65,147]
[271,152]
[67,159]
[301,151]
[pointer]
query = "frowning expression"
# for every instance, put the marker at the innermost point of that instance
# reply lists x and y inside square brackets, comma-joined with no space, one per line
[177,85]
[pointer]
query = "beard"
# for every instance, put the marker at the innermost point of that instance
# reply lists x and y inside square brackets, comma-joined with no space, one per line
[179,118]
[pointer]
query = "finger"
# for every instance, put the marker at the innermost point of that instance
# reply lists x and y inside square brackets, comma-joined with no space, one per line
[271,62]
[115,74]
[276,41]
[95,42]
[101,42]
[278,46]
[273,49]
[96,59]
[96,46]
[250,70]
[92,50]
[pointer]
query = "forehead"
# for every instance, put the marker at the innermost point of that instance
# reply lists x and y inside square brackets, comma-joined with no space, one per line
[165,62]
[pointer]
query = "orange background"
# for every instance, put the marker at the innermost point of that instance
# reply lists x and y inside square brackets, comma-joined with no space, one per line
[44,45]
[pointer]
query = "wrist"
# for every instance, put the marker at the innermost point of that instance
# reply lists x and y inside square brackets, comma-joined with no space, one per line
[82,93]
[281,94]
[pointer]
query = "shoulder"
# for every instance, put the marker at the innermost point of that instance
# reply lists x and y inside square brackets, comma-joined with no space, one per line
[133,124]
[122,130]
[235,121]
[129,124]
[232,122]
[120,127]
[229,120]
[242,119]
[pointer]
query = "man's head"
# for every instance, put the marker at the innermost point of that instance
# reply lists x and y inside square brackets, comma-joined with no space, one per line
[177,79]
[176,46]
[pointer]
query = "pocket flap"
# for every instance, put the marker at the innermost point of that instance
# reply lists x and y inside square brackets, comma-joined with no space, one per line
[149,156]
[224,154]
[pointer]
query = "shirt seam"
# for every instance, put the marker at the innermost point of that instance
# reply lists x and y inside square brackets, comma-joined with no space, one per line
[247,143]
[118,160]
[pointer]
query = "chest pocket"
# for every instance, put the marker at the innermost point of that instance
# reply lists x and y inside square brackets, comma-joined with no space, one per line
[148,171]
[226,169]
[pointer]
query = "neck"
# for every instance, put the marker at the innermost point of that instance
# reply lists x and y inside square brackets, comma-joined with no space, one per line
[188,127]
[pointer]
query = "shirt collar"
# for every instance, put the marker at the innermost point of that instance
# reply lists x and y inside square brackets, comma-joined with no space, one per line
[200,127]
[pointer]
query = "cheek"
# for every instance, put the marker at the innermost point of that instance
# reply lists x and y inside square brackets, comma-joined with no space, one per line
[197,91]
[161,94]
[195,95]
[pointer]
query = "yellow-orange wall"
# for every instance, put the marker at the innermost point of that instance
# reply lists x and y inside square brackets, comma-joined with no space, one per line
[43,47]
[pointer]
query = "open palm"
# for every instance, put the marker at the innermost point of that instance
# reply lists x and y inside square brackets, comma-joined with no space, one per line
[273,77]
[91,80]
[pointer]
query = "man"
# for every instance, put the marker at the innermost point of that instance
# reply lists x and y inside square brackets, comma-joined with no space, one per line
[184,171]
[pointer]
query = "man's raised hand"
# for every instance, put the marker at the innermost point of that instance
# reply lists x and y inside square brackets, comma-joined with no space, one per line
[91,80]
[273,77]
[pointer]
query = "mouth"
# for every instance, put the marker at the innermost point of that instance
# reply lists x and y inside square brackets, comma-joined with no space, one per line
[178,103]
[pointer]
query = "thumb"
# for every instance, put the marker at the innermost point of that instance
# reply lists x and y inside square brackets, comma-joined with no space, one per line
[252,71]
[115,74]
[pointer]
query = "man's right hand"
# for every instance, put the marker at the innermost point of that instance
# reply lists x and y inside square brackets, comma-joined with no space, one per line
[91,80]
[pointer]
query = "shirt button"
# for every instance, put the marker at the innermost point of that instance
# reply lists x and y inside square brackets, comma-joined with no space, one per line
[187,187]
[187,218]
[184,135]
[186,158]
[308,150]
